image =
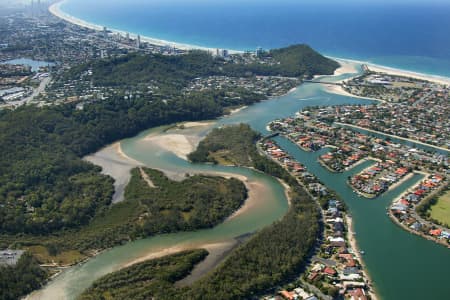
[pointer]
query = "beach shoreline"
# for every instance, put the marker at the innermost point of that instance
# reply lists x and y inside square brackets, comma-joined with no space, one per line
[55,9]
[396,71]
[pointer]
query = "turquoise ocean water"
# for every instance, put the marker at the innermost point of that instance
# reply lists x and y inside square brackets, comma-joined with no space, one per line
[412,35]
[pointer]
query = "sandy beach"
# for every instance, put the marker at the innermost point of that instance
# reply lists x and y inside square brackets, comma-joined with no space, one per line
[338,90]
[393,71]
[178,144]
[179,140]
[172,250]
[255,191]
[347,67]
[236,110]
[55,9]
[197,124]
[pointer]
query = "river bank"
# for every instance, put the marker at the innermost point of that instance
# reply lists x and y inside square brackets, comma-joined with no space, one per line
[425,225]
[357,252]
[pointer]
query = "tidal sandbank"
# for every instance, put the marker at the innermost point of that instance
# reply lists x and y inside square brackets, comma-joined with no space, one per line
[115,163]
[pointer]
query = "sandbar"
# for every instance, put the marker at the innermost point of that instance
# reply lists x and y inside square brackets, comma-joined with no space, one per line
[347,67]
[338,90]
[178,144]
[117,164]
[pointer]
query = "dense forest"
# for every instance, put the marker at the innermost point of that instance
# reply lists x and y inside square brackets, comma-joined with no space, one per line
[196,202]
[151,279]
[49,195]
[46,187]
[19,280]
[235,145]
[273,256]
[301,60]
[277,252]
[170,73]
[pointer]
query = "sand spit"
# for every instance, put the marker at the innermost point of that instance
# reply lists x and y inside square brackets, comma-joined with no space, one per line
[115,164]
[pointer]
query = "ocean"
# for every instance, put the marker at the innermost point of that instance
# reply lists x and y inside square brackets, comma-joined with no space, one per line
[408,35]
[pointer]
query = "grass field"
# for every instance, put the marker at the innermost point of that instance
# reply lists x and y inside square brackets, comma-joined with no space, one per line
[63,258]
[441,210]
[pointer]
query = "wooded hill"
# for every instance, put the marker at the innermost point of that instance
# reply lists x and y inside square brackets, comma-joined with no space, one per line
[174,72]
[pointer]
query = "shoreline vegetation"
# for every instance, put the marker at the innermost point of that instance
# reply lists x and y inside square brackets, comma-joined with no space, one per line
[267,266]
[62,135]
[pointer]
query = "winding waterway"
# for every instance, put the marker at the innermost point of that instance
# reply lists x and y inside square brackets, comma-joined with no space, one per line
[402,265]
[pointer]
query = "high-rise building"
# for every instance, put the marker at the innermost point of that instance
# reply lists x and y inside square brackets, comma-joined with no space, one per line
[138,41]
[259,51]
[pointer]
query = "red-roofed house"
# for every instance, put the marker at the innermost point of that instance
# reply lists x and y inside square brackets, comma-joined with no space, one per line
[358,294]
[329,271]
[404,202]
[436,232]
[287,295]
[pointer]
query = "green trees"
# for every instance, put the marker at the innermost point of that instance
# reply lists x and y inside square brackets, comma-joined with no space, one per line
[171,73]
[196,202]
[19,280]
[48,194]
[235,143]
[146,280]
[299,60]
[274,255]
[45,187]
